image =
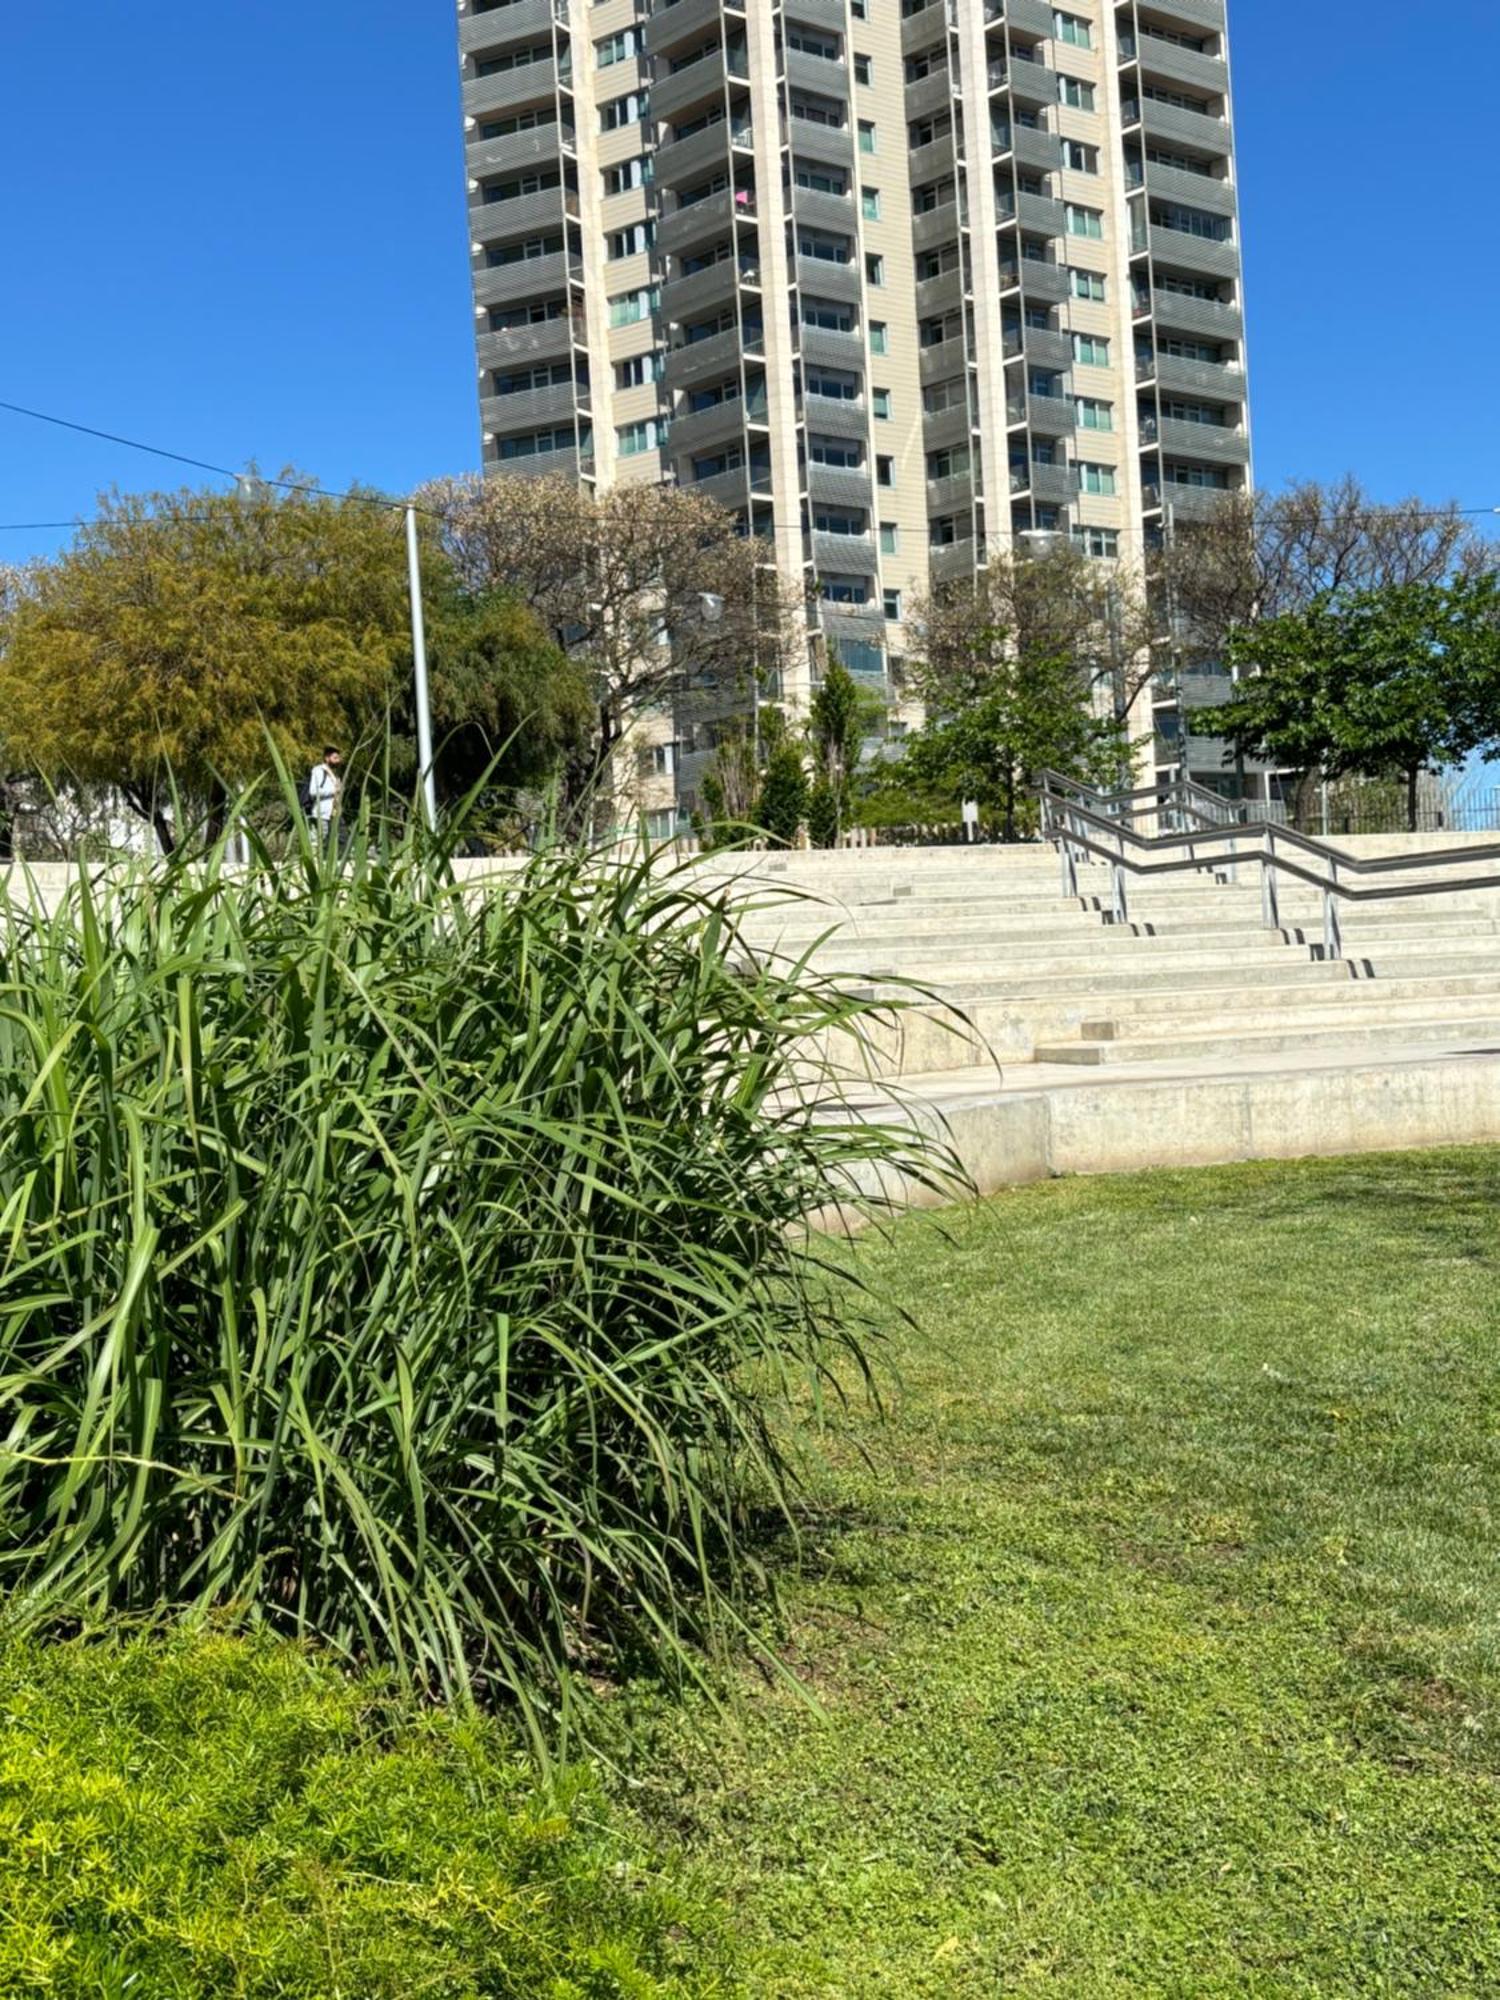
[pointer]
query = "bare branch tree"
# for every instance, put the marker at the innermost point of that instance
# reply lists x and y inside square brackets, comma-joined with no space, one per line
[654,590]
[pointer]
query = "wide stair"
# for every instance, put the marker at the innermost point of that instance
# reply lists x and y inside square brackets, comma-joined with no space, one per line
[1190,1032]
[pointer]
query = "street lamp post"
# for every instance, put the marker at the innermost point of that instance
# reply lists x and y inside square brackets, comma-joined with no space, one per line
[419,655]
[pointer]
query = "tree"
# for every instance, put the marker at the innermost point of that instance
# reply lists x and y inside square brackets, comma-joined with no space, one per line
[1265,555]
[183,629]
[507,704]
[1374,683]
[835,732]
[1056,606]
[652,590]
[1036,714]
[783,794]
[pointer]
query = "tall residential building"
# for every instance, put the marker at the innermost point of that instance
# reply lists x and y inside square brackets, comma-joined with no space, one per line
[894,280]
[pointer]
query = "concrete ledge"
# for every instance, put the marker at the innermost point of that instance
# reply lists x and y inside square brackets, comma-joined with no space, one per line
[1005,1137]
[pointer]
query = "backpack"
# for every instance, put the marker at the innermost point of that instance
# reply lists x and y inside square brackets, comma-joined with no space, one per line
[306,803]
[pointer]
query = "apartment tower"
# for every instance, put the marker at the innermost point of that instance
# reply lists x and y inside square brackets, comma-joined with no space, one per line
[896,281]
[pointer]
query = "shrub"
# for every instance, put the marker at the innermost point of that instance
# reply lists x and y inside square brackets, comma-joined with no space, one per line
[194,1819]
[406,1266]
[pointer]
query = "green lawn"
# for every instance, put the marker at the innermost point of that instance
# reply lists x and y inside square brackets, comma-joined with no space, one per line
[1155,1629]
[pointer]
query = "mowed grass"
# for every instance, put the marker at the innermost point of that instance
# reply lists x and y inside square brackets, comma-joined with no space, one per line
[1155,1627]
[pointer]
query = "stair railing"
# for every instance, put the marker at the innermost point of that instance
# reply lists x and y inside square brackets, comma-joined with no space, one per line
[1084,824]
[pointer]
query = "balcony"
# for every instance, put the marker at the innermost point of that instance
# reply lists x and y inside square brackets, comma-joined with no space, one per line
[933,227]
[488,159]
[1031,82]
[922,29]
[699,431]
[696,294]
[943,359]
[696,84]
[526,21]
[1054,485]
[820,210]
[1174,126]
[828,280]
[727,489]
[832,144]
[1208,15]
[513,89]
[844,555]
[548,341]
[931,93]
[1035,212]
[817,75]
[1218,380]
[548,465]
[704,221]
[1212,442]
[1043,282]
[836,416]
[1180,250]
[947,560]
[682,162]
[943,293]
[1033,17]
[528,278]
[953,495]
[1205,191]
[1047,416]
[1168,63]
[530,409]
[844,485]
[1213,318]
[679,27]
[707,360]
[930,162]
[1039,344]
[520,215]
[835,348]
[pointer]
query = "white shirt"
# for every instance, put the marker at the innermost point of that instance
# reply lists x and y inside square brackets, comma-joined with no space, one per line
[323,790]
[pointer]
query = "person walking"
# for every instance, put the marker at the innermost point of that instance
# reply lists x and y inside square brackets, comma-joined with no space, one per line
[325,788]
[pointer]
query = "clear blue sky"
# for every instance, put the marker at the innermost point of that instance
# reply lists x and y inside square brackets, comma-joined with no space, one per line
[238,229]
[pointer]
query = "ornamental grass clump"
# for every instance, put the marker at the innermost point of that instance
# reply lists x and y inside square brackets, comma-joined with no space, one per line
[412,1265]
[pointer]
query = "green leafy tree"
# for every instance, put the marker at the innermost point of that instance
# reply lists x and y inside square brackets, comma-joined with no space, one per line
[1374,684]
[508,705]
[1035,714]
[783,793]
[730,788]
[835,731]
[158,654]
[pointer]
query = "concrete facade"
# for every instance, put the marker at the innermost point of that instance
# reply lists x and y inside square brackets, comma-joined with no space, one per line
[895,282]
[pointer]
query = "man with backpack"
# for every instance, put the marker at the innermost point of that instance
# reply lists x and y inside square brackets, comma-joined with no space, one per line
[321,795]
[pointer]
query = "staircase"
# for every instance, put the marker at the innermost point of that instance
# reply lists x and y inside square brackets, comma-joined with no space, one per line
[1052,1038]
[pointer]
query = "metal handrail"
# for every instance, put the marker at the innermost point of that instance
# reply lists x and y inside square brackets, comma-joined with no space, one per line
[1073,819]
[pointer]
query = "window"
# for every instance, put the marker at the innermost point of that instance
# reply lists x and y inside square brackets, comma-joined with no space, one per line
[874,270]
[1085,221]
[885,472]
[1076,94]
[1101,543]
[617,48]
[862,69]
[891,604]
[1086,285]
[639,370]
[643,436]
[869,204]
[1098,479]
[631,241]
[630,307]
[867,135]
[628,174]
[878,341]
[1094,415]
[627,110]
[890,537]
[1091,350]
[880,402]
[1078,158]
[1073,30]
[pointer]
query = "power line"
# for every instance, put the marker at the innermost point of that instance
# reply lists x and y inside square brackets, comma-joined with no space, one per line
[178,458]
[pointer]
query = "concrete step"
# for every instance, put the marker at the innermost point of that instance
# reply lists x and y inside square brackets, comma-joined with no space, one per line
[1335,999]
[1481,1032]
